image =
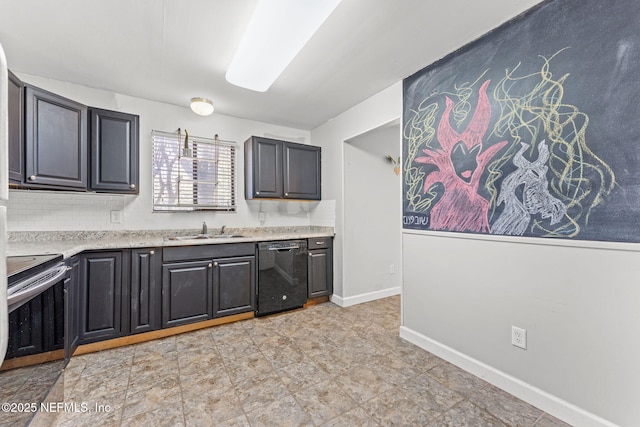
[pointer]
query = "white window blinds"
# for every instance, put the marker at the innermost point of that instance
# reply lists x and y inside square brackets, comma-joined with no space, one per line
[200,176]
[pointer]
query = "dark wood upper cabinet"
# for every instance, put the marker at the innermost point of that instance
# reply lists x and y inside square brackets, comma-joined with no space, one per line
[55,141]
[281,169]
[263,168]
[114,144]
[59,144]
[16,129]
[301,172]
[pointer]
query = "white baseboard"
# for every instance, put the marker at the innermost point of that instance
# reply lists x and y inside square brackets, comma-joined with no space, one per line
[549,403]
[369,296]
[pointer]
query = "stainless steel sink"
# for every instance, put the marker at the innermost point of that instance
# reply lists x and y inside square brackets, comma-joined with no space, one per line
[192,237]
[204,236]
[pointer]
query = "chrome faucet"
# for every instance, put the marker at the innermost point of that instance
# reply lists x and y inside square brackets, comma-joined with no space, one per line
[204,227]
[222,229]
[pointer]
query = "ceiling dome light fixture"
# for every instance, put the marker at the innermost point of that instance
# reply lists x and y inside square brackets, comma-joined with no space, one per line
[278,30]
[201,106]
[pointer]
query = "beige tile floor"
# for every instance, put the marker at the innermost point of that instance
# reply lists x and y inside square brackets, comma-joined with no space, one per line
[324,365]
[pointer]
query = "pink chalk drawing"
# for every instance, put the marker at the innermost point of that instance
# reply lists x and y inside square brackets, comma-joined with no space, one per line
[460,162]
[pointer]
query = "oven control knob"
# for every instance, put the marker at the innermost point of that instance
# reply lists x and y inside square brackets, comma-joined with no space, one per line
[284,297]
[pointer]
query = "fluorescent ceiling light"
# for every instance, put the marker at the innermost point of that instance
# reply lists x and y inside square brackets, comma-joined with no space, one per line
[201,106]
[276,33]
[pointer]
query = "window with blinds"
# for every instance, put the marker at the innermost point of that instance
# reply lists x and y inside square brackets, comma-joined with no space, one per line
[198,176]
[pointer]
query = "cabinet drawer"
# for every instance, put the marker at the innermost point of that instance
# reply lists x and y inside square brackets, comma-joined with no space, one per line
[319,242]
[187,253]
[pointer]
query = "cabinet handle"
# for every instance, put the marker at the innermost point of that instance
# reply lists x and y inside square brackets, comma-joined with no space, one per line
[32,178]
[132,186]
[152,252]
[257,193]
[69,268]
[210,265]
[321,242]
[286,194]
[215,264]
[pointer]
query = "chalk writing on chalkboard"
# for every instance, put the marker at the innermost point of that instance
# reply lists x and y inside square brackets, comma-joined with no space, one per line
[531,130]
[416,220]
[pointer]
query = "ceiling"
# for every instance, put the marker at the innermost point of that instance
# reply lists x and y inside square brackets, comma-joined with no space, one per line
[173,50]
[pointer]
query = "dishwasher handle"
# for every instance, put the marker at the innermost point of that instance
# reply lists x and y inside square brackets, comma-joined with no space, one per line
[287,249]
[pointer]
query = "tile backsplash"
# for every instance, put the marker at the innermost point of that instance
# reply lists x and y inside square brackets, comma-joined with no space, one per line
[62,211]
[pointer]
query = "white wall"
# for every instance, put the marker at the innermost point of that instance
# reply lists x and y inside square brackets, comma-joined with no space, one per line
[577,301]
[381,109]
[37,210]
[462,293]
[372,215]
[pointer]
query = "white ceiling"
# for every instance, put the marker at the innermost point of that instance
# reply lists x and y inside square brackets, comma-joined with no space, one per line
[173,50]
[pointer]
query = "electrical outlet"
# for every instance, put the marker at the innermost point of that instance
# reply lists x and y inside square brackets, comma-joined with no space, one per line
[392,268]
[116,217]
[519,337]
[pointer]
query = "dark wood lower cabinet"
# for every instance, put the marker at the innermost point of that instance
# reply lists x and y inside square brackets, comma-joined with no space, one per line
[38,325]
[234,285]
[145,279]
[71,318]
[320,267]
[103,296]
[112,294]
[186,292]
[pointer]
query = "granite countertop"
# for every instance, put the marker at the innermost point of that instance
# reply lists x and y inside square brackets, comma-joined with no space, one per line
[70,243]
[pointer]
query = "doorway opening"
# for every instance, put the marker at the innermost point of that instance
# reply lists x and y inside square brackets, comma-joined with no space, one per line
[372,215]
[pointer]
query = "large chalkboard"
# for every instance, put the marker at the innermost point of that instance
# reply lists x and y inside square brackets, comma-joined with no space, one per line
[531,130]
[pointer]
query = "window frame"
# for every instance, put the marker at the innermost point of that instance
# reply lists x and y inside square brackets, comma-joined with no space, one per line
[186,181]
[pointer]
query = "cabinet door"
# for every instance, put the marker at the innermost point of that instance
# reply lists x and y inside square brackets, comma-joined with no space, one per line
[301,172]
[26,333]
[38,325]
[16,129]
[56,136]
[186,293]
[263,168]
[114,151]
[320,273]
[234,289]
[71,308]
[101,296]
[53,312]
[146,269]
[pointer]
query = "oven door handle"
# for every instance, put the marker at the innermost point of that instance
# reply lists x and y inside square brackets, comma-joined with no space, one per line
[24,291]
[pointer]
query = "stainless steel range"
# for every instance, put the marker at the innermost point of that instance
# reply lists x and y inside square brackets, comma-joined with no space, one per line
[28,276]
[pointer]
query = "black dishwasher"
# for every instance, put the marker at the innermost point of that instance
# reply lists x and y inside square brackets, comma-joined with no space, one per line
[282,276]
